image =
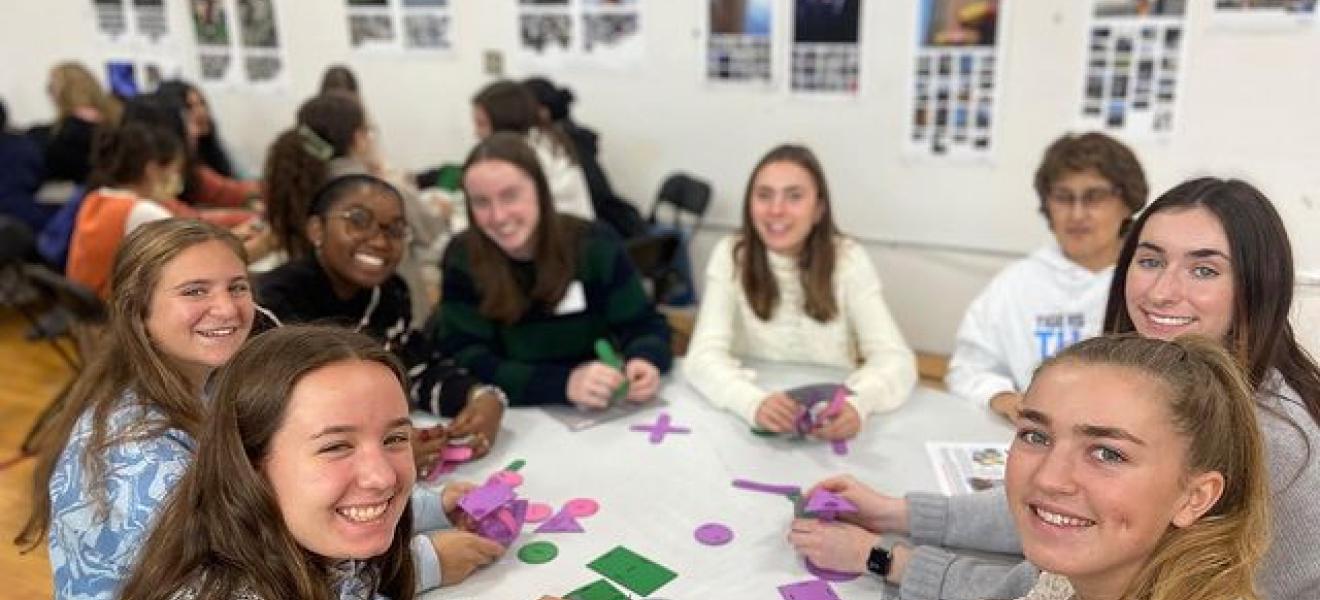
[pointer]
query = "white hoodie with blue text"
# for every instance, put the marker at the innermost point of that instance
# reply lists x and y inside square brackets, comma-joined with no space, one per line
[1032,309]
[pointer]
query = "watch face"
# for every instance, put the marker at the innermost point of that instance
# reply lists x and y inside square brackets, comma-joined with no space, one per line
[878,562]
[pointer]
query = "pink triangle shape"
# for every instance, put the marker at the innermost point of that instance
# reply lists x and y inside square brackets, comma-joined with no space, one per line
[562,522]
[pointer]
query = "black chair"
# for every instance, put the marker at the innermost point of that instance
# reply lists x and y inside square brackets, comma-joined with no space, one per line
[653,255]
[686,198]
[27,288]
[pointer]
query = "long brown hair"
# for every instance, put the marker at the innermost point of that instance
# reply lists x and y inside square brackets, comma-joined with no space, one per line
[128,360]
[816,261]
[1260,336]
[1211,405]
[296,164]
[222,530]
[76,87]
[554,240]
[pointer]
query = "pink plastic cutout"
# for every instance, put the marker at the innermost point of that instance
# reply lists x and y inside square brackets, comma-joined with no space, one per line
[581,507]
[538,511]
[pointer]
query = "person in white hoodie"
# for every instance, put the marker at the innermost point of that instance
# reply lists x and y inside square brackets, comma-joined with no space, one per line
[791,288]
[1090,186]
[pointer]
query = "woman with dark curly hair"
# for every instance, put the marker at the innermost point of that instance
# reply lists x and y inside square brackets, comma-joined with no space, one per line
[1090,186]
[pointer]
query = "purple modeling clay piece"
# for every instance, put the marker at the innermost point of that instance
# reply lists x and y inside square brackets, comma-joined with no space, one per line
[713,534]
[827,574]
[783,490]
[814,589]
[486,499]
[828,505]
[504,525]
[563,522]
[660,429]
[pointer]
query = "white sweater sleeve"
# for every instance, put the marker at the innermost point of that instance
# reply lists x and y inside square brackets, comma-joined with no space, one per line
[979,368]
[889,370]
[710,366]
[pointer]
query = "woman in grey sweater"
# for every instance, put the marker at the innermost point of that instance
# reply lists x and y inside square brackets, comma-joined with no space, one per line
[1211,257]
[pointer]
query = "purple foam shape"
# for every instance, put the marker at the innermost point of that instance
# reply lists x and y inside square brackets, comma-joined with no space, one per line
[504,525]
[713,534]
[660,429]
[562,522]
[814,589]
[840,447]
[828,574]
[486,499]
[828,505]
[769,488]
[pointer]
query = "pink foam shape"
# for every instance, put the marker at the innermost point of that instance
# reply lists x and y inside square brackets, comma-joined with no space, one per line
[538,511]
[581,507]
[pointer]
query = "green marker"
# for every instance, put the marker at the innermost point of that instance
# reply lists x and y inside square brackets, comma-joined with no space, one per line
[606,353]
[515,465]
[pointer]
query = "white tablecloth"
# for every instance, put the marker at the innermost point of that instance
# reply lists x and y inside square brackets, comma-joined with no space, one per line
[653,497]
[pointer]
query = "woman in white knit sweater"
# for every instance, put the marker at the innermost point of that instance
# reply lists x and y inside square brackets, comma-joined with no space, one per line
[791,288]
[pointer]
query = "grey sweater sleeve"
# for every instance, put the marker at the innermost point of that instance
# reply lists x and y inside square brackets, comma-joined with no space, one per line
[937,574]
[979,521]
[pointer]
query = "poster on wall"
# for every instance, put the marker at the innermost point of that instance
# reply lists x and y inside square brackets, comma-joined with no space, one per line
[593,32]
[955,78]
[111,20]
[215,57]
[545,29]
[738,44]
[825,55]
[262,56]
[399,25]
[141,23]
[1265,14]
[611,30]
[426,25]
[150,21]
[1134,54]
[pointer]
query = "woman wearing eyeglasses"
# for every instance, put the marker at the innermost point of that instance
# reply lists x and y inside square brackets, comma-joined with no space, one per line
[357,229]
[1090,186]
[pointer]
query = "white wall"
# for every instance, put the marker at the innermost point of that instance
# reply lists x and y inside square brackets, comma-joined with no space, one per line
[1247,109]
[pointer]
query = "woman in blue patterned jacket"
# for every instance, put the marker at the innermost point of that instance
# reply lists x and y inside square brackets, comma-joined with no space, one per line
[180,306]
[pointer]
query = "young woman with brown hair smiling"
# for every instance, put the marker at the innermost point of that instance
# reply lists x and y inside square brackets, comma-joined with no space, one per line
[791,287]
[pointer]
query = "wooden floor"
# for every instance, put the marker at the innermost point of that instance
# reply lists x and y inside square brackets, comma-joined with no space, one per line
[30,374]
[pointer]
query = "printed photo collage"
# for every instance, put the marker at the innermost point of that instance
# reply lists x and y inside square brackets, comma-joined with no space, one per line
[955,78]
[1133,61]
[739,45]
[553,27]
[257,44]
[376,25]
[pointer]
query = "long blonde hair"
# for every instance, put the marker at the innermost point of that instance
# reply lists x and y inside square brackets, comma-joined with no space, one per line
[1212,405]
[74,87]
[128,360]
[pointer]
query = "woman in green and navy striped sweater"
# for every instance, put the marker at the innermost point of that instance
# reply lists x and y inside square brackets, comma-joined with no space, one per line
[528,292]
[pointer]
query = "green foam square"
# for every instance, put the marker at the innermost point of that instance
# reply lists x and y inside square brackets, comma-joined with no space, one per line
[597,590]
[632,570]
